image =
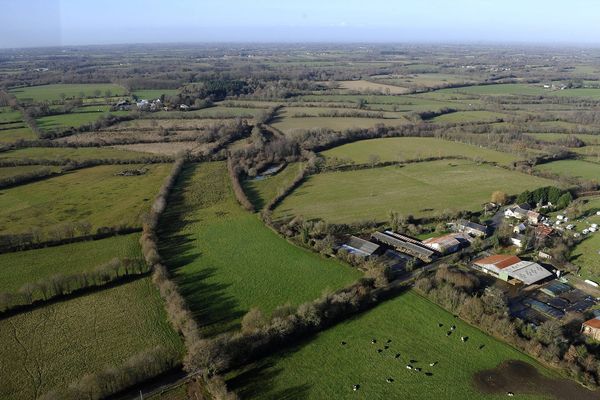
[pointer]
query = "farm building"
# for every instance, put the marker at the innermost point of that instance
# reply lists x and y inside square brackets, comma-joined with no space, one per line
[444,244]
[518,240]
[520,212]
[520,228]
[360,247]
[512,269]
[556,288]
[542,231]
[405,244]
[591,328]
[471,228]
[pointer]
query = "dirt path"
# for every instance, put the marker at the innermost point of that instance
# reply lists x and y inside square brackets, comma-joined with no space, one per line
[521,378]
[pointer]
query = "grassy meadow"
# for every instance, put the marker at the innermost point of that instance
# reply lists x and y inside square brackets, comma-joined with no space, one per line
[75,119]
[321,368]
[419,189]
[587,254]
[413,148]
[29,266]
[469,116]
[226,261]
[55,92]
[12,126]
[95,195]
[55,345]
[7,172]
[573,168]
[367,86]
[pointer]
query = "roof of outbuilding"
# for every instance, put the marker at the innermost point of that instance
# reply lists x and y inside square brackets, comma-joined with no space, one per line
[594,323]
[500,261]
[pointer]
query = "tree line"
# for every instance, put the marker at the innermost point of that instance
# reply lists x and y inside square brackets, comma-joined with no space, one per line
[60,285]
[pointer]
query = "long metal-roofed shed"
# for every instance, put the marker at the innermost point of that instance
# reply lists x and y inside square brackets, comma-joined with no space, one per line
[422,253]
[360,247]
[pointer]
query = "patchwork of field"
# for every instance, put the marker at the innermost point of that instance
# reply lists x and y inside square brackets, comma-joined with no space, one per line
[369,87]
[522,89]
[419,189]
[60,154]
[219,112]
[12,126]
[261,190]
[60,343]
[67,91]
[573,168]
[412,148]
[96,195]
[290,125]
[226,261]
[420,81]
[322,368]
[29,266]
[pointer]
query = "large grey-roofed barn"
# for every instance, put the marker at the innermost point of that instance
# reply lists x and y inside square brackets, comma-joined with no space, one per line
[361,246]
[400,245]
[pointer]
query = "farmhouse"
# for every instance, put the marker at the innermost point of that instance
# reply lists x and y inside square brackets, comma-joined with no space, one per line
[471,228]
[405,244]
[360,247]
[542,231]
[512,269]
[591,328]
[444,244]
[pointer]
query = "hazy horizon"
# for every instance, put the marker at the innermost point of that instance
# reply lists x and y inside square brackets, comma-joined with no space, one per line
[40,23]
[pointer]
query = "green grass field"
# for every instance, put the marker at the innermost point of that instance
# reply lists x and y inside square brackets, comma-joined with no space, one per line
[321,368]
[93,194]
[12,126]
[226,261]
[574,168]
[413,148]
[290,125]
[419,189]
[83,116]
[55,92]
[30,266]
[587,254]
[70,153]
[7,172]
[58,344]
[261,191]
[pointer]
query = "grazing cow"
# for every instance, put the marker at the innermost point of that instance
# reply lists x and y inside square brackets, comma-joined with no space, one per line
[510,394]
[409,366]
[453,327]
[379,350]
[389,341]
[440,324]
[389,380]
[386,347]
[464,338]
[355,387]
[413,361]
[343,343]
[433,364]
[373,341]
[448,333]
[397,355]
[418,369]
[482,346]
[429,373]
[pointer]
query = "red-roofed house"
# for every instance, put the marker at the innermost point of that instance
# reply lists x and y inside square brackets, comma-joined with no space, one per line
[591,328]
[512,269]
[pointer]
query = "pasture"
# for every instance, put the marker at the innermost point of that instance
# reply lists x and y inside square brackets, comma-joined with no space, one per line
[323,368]
[419,189]
[554,137]
[225,261]
[167,149]
[521,89]
[261,190]
[55,345]
[290,125]
[29,266]
[573,168]
[95,195]
[63,154]
[57,92]
[76,119]
[586,255]
[413,148]
[12,126]
[7,172]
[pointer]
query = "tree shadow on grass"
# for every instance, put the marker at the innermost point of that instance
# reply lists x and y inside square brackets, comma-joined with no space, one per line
[214,310]
[254,196]
[259,381]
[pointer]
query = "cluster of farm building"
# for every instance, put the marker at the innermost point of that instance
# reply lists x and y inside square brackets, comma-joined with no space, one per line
[535,290]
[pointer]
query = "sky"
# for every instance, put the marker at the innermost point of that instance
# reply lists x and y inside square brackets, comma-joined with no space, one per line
[33,23]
